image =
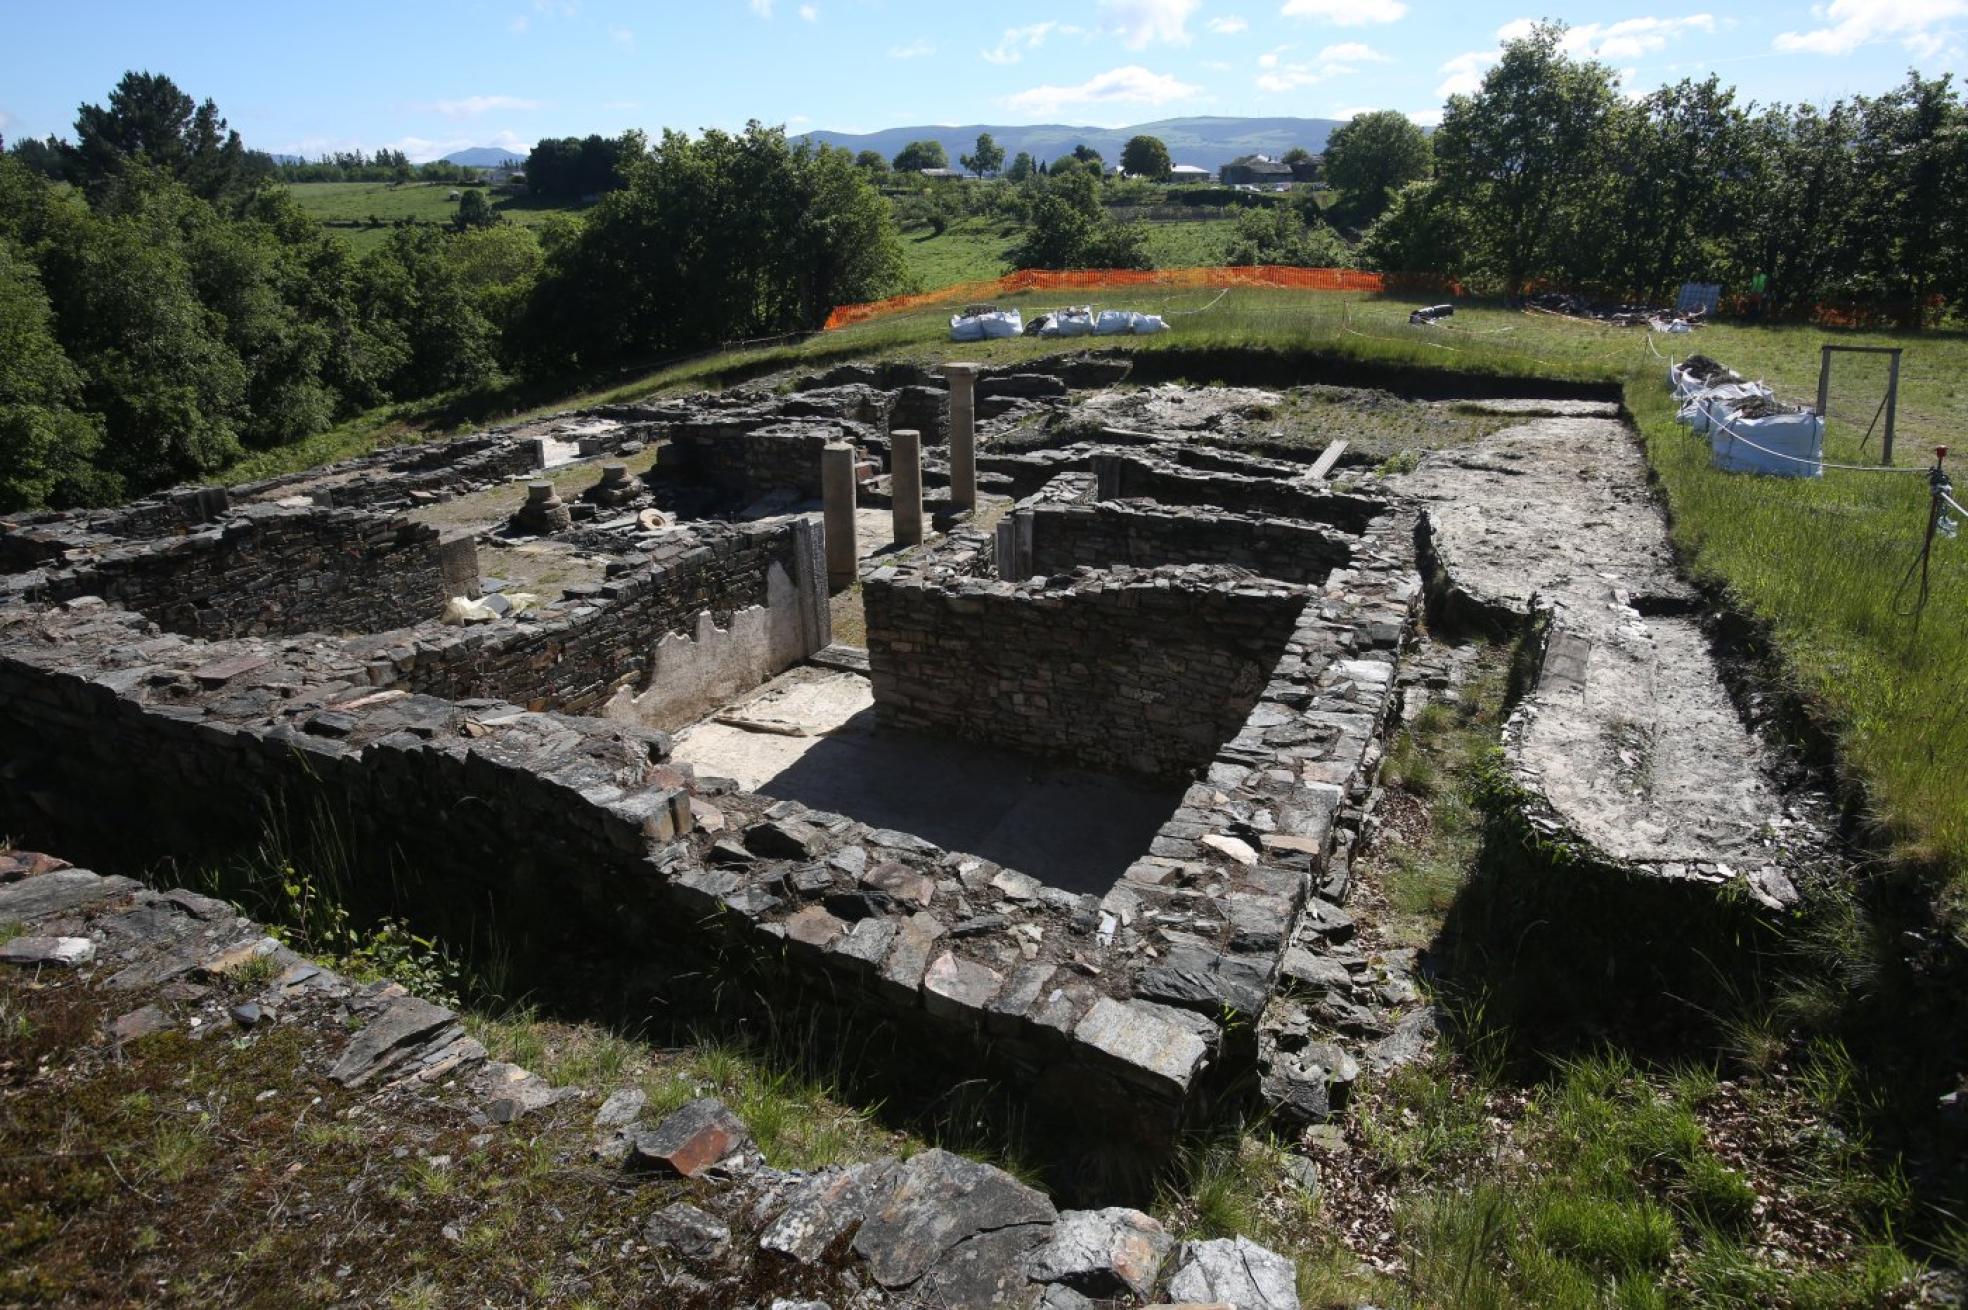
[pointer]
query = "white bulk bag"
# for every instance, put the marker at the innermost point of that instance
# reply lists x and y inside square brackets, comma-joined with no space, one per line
[1800,436]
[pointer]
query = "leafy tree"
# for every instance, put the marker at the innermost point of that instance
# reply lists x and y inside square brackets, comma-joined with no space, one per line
[148,117]
[988,157]
[872,162]
[1296,158]
[474,211]
[1421,232]
[1069,229]
[1279,234]
[1370,158]
[46,442]
[1146,156]
[716,238]
[570,167]
[48,157]
[1523,155]
[1021,168]
[918,155]
[1068,166]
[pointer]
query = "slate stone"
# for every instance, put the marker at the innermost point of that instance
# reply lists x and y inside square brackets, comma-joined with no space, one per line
[688,1231]
[58,892]
[820,1213]
[908,957]
[59,952]
[1016,998]
[784,839]
[407,1026]
[1236,1271]
[690,1141]
[1306,974]
[901,884]
[1147,1047]
[864,946]
[137,1023]
[935,1203]
[814,927]
[1104,1253]
[958,989]
[1205,980]
[621,1109]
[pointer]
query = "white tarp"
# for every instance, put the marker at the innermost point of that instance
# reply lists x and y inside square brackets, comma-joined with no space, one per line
[1700,410]
[1799,436]
[986,327]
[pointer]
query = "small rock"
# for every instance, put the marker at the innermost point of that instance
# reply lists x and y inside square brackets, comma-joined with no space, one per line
[1103,1253]
[686,1230]
[64,952]
[250,1015]
[137,1023]
[691,1140]
[1235,1270]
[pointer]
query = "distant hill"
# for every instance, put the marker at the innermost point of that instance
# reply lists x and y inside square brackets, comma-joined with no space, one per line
[484,156]
[1205,142]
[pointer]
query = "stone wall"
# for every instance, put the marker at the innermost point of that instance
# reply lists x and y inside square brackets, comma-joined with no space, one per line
[1142,671]
[578,656]
[266,569]
[1133,475]
[1050,538]
[746,458]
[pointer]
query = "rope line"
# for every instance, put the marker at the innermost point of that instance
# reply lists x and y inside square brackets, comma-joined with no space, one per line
[1823,464]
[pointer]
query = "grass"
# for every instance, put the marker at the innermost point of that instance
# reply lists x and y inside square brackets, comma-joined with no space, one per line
[419,202]
[979,249]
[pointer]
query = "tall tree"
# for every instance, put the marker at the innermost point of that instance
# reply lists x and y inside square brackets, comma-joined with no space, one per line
[1146,156]
[1370,158]
[918,155]
[987,158]
[46,442]
[1522,153]
[149,118]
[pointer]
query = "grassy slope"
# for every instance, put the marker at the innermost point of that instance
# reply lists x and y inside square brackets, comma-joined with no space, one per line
[1820,560]
[425,202]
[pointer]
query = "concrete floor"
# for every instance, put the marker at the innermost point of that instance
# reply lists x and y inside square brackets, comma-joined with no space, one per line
[1069,828]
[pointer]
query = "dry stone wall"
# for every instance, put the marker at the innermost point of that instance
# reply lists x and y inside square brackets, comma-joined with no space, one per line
[266,569]
[1136,475]
[1052,537]
[1144,671]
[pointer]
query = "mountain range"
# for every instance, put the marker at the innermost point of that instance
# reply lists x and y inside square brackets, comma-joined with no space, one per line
[484,156]
[1205,142]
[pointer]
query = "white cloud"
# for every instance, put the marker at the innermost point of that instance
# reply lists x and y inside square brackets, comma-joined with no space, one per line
[518,23]
[798,120]
[1217,65]
[622,36]
[1465,73]
[1140,23]
[421,150]
[558,8]
[1132,85]
[1229,25]
[1017,40]
[1352,52]
[473,106]
[1280,76]
[1354,112]
[1425,117]
[1347,13]
[623,104]
[763,8]
[1630,38]
[917,49]
[811,13]
[1854,23]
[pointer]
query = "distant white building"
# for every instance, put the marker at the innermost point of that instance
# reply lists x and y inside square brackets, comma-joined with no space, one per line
[1189,173]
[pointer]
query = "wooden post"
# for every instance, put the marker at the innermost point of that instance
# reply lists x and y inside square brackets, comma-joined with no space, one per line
[1824,379]
[1892,405]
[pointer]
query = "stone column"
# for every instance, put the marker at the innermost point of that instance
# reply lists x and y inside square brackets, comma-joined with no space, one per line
[963,435]
[905,485]
[837,499]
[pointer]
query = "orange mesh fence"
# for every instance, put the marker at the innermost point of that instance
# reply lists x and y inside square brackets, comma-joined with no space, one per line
[1104,279]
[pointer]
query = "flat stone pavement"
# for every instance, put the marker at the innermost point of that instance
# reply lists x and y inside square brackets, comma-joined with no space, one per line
[1629,732]
[814,739]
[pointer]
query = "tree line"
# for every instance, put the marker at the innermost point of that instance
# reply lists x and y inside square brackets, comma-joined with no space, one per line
[164,309]
[1549,176]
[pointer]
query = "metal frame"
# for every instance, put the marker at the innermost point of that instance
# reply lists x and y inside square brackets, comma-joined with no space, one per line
[1892,387]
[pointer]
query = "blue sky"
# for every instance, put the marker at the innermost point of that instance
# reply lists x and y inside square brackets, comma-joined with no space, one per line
[430,76]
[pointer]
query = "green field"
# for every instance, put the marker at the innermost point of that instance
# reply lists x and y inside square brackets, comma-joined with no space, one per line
[423,202]
[977,249]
